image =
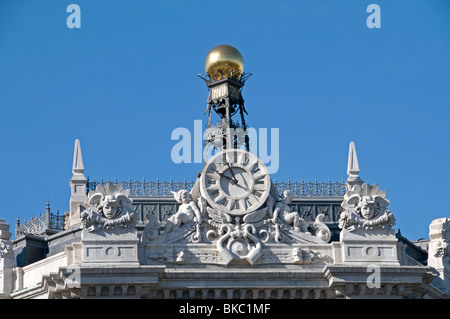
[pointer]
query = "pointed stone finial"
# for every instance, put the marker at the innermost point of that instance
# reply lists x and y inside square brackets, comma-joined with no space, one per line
[77,167]
[78,186]
[353,167]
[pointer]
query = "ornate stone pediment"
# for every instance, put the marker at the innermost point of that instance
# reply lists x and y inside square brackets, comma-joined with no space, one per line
[198,233]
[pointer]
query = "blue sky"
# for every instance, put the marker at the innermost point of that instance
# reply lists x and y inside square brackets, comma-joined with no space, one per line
[127,78]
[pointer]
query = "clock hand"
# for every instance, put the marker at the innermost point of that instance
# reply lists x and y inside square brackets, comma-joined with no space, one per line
[241,186]
[227,177]
[245,182]
[232,173]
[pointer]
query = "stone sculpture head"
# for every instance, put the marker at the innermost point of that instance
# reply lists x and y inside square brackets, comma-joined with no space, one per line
[367,208]
[110,207]
[182,196]
[287,196]
[110,200]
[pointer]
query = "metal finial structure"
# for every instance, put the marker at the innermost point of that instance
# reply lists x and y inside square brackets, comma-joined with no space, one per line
[47,223]
[225,80]
[160,188]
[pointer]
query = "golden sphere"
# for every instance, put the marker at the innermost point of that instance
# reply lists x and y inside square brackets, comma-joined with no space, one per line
[224,61]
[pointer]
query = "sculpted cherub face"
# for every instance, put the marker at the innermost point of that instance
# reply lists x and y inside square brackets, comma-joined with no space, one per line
[367,211]
[287,197]
[110,206]
[185,197]
[366,208]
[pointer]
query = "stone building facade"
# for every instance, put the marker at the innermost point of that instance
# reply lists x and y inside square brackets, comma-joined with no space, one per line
[117,244]
[232,233]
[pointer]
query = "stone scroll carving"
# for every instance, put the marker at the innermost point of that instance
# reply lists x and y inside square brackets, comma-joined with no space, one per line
[108,207]
[236,240]
[365,207]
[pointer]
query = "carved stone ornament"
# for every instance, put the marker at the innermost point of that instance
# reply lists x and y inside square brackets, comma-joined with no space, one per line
[365,207]
[4,249]
[108,208]
[199,233]
[235,216]
[439,241]
[187,211]
[441,250]
[5,235]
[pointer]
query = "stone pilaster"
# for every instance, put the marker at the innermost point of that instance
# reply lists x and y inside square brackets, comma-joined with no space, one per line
[367,236]
[7,261]
[369,247]
[109,235]
[110,247]
[438,253]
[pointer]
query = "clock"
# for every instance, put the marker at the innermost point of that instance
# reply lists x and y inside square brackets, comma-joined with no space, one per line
[235,181]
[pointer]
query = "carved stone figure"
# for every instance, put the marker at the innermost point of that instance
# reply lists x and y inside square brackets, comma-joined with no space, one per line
[439,241]
[365,207]
[441,250]
[225,238]
[5,235]
[286,215]
[108,208]
[438,251]
[7,260]
[187,211]
[4,249]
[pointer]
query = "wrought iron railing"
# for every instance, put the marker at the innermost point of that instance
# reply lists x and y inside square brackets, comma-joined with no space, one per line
[56,222]
[146,188]
[41,223]
[164,188]
[312,189]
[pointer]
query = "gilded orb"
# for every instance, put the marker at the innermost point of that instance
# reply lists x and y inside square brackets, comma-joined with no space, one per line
[224,61]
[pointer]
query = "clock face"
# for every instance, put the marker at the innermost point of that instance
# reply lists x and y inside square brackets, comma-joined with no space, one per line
[235,181]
